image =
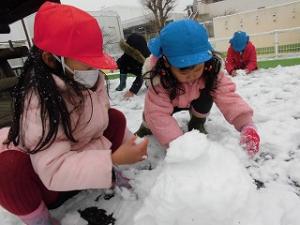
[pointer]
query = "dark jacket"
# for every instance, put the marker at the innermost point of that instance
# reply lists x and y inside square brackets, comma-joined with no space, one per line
[245,60]
[135,51]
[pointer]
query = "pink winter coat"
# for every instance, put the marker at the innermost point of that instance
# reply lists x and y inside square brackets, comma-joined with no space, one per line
[65,165]
[159,107]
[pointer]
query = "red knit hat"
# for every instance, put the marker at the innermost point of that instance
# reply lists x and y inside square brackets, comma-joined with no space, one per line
[70,32]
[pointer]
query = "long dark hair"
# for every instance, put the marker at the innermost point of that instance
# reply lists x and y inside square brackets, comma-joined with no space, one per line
[172,85]
[37,79]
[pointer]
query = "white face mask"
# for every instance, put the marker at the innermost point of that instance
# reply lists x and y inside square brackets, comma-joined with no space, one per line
[87,78]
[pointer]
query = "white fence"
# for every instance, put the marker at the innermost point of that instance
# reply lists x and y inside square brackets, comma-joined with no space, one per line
[282,43]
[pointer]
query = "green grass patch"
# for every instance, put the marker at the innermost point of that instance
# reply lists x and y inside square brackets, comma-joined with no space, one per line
[113,76]
[281,62]
[116,76]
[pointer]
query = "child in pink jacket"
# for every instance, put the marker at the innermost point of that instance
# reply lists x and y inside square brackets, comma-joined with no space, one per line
[186,75]
[64,135]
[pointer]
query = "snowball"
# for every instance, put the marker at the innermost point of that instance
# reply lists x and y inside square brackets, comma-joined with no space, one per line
[138,140]
[188,147]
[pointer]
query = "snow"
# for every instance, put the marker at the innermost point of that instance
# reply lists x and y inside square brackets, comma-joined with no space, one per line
[190,188]
[210,179]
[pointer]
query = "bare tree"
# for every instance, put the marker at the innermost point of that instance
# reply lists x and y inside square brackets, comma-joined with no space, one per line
[192,12]
[160,9]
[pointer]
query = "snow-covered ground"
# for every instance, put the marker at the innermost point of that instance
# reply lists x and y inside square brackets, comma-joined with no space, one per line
[210,180]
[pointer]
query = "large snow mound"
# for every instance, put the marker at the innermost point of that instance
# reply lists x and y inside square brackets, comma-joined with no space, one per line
[200,183]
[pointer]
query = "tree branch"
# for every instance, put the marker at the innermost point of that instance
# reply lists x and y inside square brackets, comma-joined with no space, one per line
[160,9]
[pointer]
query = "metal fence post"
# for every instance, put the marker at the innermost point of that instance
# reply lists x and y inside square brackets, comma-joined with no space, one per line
[276,42]
[26,33]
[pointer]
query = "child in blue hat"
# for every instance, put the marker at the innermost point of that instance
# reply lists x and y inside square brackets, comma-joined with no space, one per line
[184,74]
[241,54]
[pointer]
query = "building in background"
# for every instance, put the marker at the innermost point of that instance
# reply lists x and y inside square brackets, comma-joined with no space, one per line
[127,12]
[214,8]
[209,9]
[144,25]
[275,30]
[273,25]
[112,31]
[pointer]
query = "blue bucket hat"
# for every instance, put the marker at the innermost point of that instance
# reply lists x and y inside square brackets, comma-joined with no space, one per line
[239,41]
[184,43]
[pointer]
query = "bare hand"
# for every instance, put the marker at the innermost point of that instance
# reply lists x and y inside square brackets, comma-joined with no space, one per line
[130,152]
[128,95]
[233,73]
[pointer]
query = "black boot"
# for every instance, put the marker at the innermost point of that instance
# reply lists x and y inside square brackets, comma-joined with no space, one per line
[143,131]
[197,124]
[122,84]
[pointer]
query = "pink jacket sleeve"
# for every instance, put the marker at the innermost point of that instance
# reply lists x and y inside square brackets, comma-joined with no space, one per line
[235,110]
[60,168]
[158,115]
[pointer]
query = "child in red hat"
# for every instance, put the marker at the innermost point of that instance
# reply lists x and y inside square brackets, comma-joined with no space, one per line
[64,135]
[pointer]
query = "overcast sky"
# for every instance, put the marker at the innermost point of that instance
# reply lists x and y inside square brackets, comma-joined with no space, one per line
[98,4]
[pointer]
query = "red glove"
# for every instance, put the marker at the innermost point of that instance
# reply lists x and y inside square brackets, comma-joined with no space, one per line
[250,139]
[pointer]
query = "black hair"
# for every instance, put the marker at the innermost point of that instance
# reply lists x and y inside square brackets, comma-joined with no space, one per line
[37,79]
[172,85]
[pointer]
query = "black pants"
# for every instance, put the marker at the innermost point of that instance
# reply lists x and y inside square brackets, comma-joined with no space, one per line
[201,105]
